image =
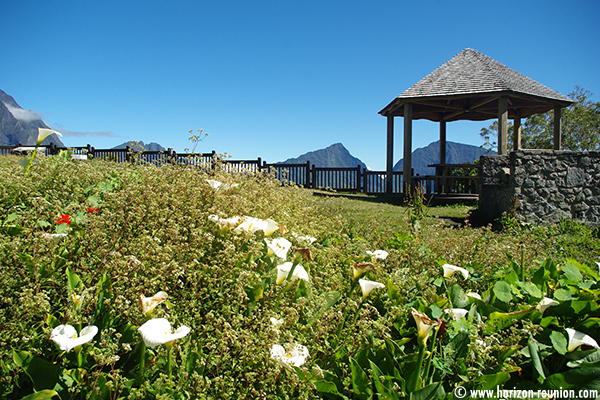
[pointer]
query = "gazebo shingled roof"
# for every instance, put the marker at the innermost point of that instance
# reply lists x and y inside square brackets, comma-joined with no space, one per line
[470,86]
[464,89]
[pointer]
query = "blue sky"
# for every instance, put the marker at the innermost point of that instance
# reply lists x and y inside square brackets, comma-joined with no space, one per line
[272,79]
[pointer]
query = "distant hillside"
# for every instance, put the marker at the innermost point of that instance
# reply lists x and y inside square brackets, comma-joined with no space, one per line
[456,153]
[335,155]
[20,126]
[139,145]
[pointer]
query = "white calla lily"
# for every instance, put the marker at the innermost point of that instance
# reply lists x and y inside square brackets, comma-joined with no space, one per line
[157,331]
[304,240]
[367,286]
[295,356]
[424,325]
[65,336]
[577,339]
[228,223]
[449,270]
[279,247]
[474,295]
[545,303]
[284,269]
[149,303]
[43,133]
[380,254]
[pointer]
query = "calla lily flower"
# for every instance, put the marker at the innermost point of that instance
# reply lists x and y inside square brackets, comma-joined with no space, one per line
[157,331]
[380,254]
[456,313]
[577,338]
[449,270]
[149,303]
[545,303]
[366,286]
[251,225]
[44,133]
[65,336]
[77,299]
[226,222]
[424,325]
[296,356]
[303,252]
[474,295]
[304,240]
[220,185]
[54,237]
[279,247]
[277,323]
[284,269]
[362,268]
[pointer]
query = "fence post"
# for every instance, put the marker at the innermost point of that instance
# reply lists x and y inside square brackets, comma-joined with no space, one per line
[307,183]
[314,177]
[358,185]
[259,164]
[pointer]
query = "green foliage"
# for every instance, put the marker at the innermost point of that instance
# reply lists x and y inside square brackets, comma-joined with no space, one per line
[137,229]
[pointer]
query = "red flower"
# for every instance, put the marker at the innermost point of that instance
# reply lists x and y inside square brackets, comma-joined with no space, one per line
[92,210]
[64,219]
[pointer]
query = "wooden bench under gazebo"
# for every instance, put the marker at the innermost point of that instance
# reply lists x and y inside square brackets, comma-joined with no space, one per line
[470,86]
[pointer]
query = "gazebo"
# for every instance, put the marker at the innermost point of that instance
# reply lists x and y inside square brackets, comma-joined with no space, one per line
[470,86]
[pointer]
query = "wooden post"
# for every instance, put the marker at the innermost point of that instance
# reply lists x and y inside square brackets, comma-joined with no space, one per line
[358,181]
[557,128]
[407,166]
[307,184]
[502,124]
[437,181]
[518,130]
[390,155]
[314,177]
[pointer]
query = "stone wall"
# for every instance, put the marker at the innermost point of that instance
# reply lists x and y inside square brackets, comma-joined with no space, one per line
[542,186]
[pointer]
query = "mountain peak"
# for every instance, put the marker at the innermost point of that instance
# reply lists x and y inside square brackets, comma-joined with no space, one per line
[20,126]
[336,155]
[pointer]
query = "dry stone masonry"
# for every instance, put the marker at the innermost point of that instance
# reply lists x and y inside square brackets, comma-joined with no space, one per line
[542,186]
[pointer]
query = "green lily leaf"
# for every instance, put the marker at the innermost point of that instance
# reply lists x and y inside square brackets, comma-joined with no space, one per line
[491,381]
[532,290]
[559,342]
[429,392]
[565,294]
[537,359]
[42,373]
[571,272]
[74,280]
[41,395]
[458,296]
[361,384]
[503,291]
[578,378]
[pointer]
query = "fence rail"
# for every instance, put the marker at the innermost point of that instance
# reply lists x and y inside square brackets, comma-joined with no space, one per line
[351,179]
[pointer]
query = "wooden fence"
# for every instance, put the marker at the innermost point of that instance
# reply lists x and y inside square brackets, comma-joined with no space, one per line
[351,179]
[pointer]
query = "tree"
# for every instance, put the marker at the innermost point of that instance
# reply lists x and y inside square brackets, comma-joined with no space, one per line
[580,127]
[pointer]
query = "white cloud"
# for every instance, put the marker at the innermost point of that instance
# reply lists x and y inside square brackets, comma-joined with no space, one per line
[67,133]
[23,115]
